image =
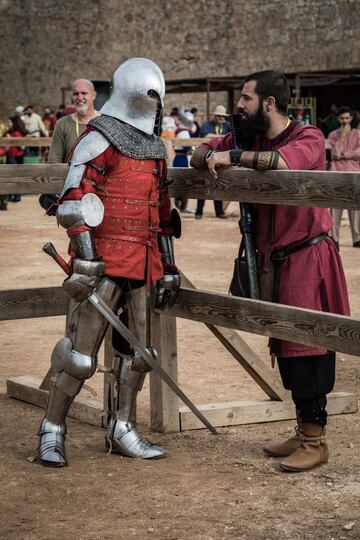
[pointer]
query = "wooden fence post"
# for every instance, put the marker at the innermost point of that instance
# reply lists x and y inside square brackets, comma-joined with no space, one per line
[164,404]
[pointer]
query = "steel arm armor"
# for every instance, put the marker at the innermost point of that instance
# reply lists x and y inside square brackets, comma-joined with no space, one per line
[167,288]
[78,217]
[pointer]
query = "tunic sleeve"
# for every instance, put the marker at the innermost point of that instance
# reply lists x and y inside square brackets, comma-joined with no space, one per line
[354,153]
[219,144]
[57,145]
[306,151]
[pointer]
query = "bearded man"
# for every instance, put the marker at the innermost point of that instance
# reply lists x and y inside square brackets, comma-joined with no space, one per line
[69,128]
[116,209]
[311,274]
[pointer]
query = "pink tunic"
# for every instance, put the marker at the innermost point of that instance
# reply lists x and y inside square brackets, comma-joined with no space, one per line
[313,277]
[349,146]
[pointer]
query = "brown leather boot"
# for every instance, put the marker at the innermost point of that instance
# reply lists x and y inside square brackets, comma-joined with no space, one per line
[312,452]
[290,445]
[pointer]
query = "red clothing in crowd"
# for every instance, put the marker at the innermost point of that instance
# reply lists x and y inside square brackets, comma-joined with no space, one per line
[311,278]
[15,151]
[49,122]
[135,205]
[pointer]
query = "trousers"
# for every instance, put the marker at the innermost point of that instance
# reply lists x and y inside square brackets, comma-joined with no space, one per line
[217,205]
[354,219]
[309,378]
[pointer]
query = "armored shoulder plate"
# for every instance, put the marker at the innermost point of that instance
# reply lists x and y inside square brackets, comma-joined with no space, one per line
[89,147]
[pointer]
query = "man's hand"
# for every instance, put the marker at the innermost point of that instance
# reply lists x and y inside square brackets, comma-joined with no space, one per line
[344,129]
[217,160]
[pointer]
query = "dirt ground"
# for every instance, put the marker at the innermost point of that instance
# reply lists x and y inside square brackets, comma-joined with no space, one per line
[207,487]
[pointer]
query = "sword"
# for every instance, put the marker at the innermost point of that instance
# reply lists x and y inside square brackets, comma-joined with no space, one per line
[106,312]
[104,309]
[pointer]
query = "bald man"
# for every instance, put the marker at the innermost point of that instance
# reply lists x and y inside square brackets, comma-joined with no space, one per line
[69,128]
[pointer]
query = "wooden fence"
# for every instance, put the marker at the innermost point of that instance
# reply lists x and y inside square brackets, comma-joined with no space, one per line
[222,314]
[170,143]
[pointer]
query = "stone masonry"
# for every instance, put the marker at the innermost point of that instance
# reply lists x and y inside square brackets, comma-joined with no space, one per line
[47,43]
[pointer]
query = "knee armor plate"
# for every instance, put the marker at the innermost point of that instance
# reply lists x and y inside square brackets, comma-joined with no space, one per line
[77,365]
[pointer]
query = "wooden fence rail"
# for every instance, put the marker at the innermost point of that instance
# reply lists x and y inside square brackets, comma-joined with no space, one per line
[46,141]
[337,332]
[301,188]
[221,313]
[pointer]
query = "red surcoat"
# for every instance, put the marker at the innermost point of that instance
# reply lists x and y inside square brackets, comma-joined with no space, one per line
[137,207]
[311,278]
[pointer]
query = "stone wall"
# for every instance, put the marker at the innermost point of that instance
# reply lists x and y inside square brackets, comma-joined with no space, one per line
[47,43]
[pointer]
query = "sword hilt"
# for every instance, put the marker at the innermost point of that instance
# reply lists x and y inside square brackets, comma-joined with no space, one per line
[49,248]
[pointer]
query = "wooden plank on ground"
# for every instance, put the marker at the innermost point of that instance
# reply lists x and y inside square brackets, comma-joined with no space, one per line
[164,404]
[263,375]
[254,412]
[26,388]
[334,332]
[30,303]
[302,188]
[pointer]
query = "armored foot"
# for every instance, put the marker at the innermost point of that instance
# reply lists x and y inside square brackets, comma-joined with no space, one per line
[51,449]
[123,439]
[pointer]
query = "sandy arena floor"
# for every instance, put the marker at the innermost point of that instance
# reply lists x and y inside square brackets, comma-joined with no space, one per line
[207,487]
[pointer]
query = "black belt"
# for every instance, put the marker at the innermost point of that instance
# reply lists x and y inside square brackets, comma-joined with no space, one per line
[279,255]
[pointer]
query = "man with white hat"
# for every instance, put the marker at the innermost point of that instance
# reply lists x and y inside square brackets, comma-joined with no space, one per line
[218,125]
[214,128]
[19,113]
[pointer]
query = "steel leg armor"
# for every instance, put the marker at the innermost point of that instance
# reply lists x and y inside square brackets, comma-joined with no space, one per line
[128,378]
[74,360]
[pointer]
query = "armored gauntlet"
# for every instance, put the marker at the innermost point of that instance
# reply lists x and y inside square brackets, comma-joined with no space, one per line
[167,288]
[84,279]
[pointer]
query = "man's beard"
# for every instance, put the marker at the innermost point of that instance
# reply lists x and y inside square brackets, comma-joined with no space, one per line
[255,124]
[82,109]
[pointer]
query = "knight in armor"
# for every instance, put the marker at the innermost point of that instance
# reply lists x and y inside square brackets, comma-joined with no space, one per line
[116,209]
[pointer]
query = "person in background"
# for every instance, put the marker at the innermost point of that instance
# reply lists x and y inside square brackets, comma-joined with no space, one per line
[3,198]
[60,111]
[14,154]
[33,123]
[345,156]
[49,120]
[34,127]
[175,115]
[19,114]
[218,125]
[184,130]
[215,127]
[355,124]
[330,122]
[168,128]
[196,133]
[69,128]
